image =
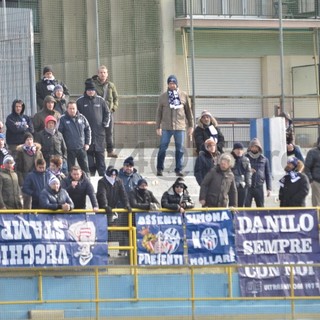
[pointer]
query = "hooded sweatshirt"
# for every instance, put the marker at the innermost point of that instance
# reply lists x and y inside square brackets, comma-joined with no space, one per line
[17,125]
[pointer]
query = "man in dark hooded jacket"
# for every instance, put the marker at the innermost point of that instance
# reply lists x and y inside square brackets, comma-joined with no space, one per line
[95,109]
[261,174]
[17,124]
[177,198]
[111,195]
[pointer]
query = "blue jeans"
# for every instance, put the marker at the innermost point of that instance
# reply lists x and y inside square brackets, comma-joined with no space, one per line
[178,136]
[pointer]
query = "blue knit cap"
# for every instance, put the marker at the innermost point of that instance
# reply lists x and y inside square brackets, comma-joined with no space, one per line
[172,78]
[293,161]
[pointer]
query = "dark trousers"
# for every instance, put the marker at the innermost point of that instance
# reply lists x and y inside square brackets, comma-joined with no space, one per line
[96,162]
[242,195]
[81,156]
[257,194]
[109,134]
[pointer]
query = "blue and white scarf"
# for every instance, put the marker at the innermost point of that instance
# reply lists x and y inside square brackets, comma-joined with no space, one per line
[174,99]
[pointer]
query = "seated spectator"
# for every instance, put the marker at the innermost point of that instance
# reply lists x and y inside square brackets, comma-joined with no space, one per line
[218,188]
[207,127]
[34,183]
[177,197]
[52,142]
[61,99]
[53,197]
[141,198]
[3,148]
[294,186]
[9,186]
[79,187]
[55,167]
[17,124]
[129,175]
[47,110]
[207,159]
[27,154]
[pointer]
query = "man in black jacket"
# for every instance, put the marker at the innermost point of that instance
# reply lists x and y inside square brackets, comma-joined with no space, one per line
[79,187]
[110,195]
[76,132]
[312,170]
[46,85]
[95,109]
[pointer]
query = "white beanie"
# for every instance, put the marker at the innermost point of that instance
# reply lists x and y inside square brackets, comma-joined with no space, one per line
[53,179]
[7,158]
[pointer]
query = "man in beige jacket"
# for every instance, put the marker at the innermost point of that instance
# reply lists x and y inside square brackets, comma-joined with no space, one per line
[174,111]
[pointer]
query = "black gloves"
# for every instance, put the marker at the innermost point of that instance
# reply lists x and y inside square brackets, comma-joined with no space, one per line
[108,209]
[128,208]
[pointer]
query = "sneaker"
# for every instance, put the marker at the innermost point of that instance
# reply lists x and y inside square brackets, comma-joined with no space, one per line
[179,174]
[112,155]
[159,173]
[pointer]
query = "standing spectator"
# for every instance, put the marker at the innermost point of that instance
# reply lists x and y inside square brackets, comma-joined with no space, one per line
[142,198]
[294,186]
[3,148]
[177,198]
[129,175]
[47,110]
[242,173]
[76,132]
[174,110]
[55,168]
[52,141]
[53,197]
[111,195]
[17,124]
[312,170]
[61,99]
[79,187]
[27,154]
[46,85]
[218,188]
[207,159]
[108,91]
[95,109]
[261,174]
[34,183]
[289,127]
[9,186]
[207,127]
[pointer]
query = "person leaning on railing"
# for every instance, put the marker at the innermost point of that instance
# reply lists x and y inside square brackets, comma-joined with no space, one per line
[177,197]
[142,198]
[53,197]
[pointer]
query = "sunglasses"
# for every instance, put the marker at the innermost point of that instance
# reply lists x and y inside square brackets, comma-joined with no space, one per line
[179,186]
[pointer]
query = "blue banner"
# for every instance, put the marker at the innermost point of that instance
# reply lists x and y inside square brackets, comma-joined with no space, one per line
[210,237]
[36,240]
[278,237]
[159,238]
